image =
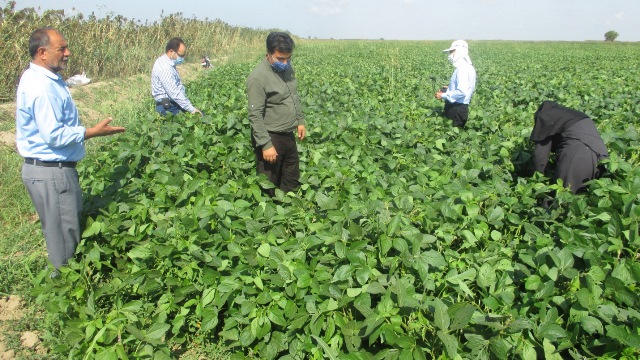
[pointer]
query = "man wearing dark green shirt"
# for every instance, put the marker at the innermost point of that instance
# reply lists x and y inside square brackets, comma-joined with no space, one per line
[275,113]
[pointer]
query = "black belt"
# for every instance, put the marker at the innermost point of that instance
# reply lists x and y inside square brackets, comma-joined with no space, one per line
[58,164]
[159,102]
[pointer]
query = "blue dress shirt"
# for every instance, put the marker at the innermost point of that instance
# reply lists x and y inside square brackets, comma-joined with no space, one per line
[462,83]
[47,123]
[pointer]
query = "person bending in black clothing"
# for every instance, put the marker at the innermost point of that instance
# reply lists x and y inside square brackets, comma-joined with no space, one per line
[576,142]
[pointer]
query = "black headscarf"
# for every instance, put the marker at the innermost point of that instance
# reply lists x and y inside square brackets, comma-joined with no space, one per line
[552,118]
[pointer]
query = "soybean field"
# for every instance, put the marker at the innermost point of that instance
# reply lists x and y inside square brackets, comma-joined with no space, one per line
[408,239]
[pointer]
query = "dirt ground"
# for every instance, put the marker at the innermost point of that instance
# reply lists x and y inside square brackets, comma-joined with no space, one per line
[7,138]
[11,309]
[7,114]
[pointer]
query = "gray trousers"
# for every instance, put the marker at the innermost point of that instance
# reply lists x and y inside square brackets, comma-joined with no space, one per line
[56,194]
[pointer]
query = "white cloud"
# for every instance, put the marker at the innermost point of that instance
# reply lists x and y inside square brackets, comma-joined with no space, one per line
[620,15]
[326,7]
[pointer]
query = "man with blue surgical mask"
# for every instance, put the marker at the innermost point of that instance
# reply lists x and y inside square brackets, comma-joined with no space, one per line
[166,87]
[457,95]
[275,114]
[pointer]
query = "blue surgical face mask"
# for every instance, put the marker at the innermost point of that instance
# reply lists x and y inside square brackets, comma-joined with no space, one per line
[280,67]
[178,61]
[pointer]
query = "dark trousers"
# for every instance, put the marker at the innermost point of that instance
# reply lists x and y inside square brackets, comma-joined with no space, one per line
[457,112]
[285,172]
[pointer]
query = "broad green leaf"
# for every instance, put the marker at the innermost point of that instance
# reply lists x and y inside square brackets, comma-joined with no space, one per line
[469,274]
[354,292]
[470,237]
[623,335]
[325,202]
[344,272]
[208,296]
[477,343]
[328,352]
[486,276]
[441,315]
[140,252]
[247,337]
[375,288]
[592,325]
[385,244]
[106,354]
[528,351]
[450,343]
[520,324]
[585,298]
[277,317]
[264,250]
[495,215]
[401,245]
[340,249]
[550,351]
[551,331]
[331,305]
[93,229]
[156,331]
[500,348]
[350,332]
[135,331]
[209,319]
[258,282]
[620,291]
[460,315]
[363,275]
[434,259]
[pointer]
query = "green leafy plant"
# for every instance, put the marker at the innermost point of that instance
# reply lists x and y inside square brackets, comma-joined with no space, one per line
[408,238]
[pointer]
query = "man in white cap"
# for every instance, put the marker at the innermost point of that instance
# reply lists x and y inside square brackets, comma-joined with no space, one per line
[457,95]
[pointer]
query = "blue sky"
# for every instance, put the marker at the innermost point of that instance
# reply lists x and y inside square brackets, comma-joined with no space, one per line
[391,19]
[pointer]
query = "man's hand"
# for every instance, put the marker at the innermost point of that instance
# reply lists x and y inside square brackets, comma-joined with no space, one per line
[196,111]
[302,132]
[270,155]
[442,91]
[102,129]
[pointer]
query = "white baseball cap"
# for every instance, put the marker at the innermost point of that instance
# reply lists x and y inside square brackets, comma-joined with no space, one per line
[458,44]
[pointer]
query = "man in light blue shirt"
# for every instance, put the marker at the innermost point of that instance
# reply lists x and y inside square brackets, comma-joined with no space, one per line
[166,87]
[457,95]
[51,139]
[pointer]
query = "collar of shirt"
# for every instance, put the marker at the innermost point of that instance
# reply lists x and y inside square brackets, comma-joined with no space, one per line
[168,60]
[45,71]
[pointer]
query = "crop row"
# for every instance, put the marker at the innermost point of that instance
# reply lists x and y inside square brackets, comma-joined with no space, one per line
[408,238]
